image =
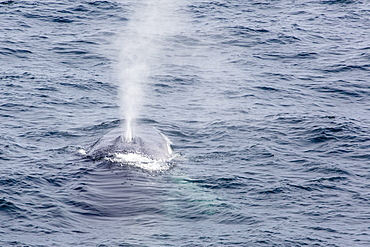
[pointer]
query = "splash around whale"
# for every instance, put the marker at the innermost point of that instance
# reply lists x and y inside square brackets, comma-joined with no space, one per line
[149,149]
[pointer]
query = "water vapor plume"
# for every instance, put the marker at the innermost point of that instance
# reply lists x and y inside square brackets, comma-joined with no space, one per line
[139,45]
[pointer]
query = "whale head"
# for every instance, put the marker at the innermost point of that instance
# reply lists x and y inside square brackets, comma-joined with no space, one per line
[148,145]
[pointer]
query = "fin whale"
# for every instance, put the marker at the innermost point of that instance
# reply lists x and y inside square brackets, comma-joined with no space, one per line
[148,143]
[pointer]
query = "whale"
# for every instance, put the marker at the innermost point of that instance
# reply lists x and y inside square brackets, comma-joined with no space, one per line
[147,145]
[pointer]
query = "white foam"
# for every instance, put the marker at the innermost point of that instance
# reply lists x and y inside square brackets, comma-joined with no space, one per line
[81,151]
[140,161]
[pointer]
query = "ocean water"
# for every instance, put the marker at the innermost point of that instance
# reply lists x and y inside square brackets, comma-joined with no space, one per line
[266,103]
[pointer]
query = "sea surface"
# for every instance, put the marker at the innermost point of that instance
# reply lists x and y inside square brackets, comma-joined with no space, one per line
[266,102]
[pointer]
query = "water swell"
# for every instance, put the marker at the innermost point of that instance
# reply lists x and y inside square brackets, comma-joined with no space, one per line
[266,102]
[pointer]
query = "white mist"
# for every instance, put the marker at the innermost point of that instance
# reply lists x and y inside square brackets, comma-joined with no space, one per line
[139,45]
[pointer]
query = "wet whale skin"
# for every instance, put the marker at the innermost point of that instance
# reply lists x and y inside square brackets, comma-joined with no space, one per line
[148,142]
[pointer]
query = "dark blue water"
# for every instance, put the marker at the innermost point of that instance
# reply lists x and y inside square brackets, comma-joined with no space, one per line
[266,103]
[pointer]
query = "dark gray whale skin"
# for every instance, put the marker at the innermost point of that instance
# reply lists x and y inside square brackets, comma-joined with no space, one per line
[148,142]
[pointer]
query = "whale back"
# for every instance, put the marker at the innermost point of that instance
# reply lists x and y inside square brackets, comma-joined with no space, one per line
[148,143]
